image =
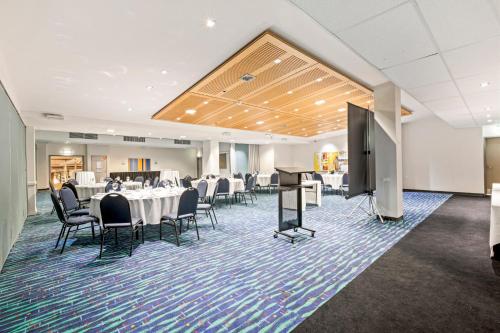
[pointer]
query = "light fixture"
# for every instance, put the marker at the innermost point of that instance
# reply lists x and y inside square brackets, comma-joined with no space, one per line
[303,129]
[338,120]
[484,84]
[489,120]
[320,116]
[341,110]
[149,133]
[269,130]
[260,122]
[487,108]
[266,102]
[488,115]
[206,102]
[276,117]
[319,132]
[246,110]
[320,102]
[210,23]
[164,72]
[245,127]
[149,88]
[290,92]
[230,117]
[319,80]
[178,118]
[289,133]
[277,61]
[129,109]
[182,137]
[66,142]
[295,110]
[110,130]
[190,111]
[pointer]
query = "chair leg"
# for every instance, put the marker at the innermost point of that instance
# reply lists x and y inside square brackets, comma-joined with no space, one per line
[244,198]
[65,239]
[93,232]
[160,229]
[61,233]
[215,217]
[142,232]
[176,234]
[251,199]
[196,227]
[132,232]
[211,219]
[116,236]
[102,241]
[137,233]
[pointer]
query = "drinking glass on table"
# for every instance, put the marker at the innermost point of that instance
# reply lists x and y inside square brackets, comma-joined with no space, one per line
[114,186]
[128,178]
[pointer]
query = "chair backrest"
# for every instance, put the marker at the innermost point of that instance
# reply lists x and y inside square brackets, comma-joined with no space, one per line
[139,179]
[156,181]
[162,184]
[223,185]
[250,184]
[72,181]
[115,208]
[318,176]
[68,199]
[202,188]
[345,179]
[188,177]
[108,179]
[72,187]
[275,179]
[188,202]
[254,181]
[248,175]
[109,186]
[186,183]
[212,176]
[57,207]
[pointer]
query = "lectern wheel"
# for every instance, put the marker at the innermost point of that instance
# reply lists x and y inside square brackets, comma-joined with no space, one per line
[292,241]
[275,236]
[295,229]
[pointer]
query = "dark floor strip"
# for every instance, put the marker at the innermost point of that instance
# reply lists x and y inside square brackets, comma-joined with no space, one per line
[439,278]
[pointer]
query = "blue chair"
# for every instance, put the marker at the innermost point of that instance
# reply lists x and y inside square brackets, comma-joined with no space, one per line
[139,179]
[72,186]
[202,190]
[248,190]
[319,177]
[208,205]
[162,184]
[70,203]
[345,183]
[69,222]
[186,210]
[274,183]
[115,214]
[223,190]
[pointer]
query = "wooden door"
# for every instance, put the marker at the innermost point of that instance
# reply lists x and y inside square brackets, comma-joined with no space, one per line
[492,162]
[99,165]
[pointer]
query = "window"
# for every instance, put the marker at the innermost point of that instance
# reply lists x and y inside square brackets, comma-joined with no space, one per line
[139,164]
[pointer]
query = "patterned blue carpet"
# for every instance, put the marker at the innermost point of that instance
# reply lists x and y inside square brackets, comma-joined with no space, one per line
[237,278]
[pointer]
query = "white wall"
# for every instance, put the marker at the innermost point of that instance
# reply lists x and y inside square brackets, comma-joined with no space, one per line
[437,157]
[266,158]
[181,159]
[303,154]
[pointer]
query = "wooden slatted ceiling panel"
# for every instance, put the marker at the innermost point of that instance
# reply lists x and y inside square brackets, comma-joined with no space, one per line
[282,95]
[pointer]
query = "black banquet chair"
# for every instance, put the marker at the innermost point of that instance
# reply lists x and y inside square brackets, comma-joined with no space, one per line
[248,175]
[69,222]
[208,206]
[70,203]
[139,179]
[319,177]
[186,210]
[202,190]
[249,186]
[72,186]
[345,183]
[223,190]
[186,182]
[72,181]
[115,214]
[274,183]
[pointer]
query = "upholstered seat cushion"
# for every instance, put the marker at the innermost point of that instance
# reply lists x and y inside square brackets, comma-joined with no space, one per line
[173,216]
[204,206]
[81,219]
[135,221]
[78,212]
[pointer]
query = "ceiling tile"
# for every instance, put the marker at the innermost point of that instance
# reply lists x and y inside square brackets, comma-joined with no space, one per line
[449,105]
[419,73]
[474,59]
[435,91]
[457,23]
[395,37]
[458,120]
[472,84]
[485,101]
[337,15]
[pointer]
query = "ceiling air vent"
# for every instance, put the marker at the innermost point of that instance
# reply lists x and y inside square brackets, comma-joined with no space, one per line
[89,136]
[53,116]
[182,142]
[134,139]
[247,78]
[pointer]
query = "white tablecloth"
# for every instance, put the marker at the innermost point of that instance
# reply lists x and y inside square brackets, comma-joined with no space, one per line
[309,195]
[263,180]
[234,185]
[171,175]
[85,177]
[86,191]
[495,217]
[334,180]
[149,205]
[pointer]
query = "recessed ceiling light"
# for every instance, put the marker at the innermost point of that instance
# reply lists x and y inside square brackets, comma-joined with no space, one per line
[319,80]
[338,120]
[110,130]
[296,110]
[303,129]
[489,120]
[266,102]
[260,122]
[246,110]
[164,72]
[149,88]
[66,142]
[277,61]
[319,132]
[335,128]
[488,115]
[206,102]
[484,84]
[290,92]
[487,108]
[341,110]
[348,92]
[178,118]
[210,23]
[230,117]
[276,117]
[289,133]
[320,116]
[269,130]
[129,109]
[182,137]
[320,102]
[245,127]
[190,111]
[149,133]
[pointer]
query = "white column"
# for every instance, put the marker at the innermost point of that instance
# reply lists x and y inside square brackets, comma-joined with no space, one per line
[210,157]
[389,174]
[232,159]
[31,170]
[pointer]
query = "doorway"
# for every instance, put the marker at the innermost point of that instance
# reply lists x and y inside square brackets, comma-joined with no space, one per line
[62,168]
[492,162]
[99,165]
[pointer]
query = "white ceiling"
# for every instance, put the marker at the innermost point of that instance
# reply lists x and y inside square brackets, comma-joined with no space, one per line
[92,61]
[438,51]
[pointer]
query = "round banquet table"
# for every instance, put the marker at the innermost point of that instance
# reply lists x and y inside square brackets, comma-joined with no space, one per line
[234,185]
[149,205]
[263,180]
[87,191]
[334,180]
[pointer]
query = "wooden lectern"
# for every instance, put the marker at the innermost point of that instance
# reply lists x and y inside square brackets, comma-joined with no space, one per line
[290,179]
